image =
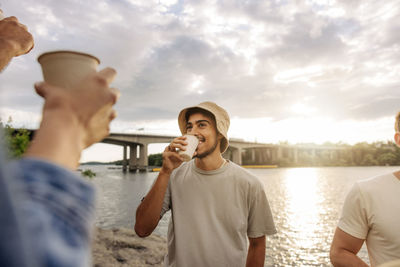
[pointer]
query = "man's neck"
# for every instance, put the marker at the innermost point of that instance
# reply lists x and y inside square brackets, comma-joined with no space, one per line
[397,174]
[210,162]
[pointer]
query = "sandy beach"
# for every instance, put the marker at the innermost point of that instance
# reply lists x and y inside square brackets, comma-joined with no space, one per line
[122,247]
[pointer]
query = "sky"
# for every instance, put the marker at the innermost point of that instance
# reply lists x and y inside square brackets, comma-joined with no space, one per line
[304,71]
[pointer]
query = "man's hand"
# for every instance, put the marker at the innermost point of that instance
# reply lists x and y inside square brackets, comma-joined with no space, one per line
[15,40]
[171,158]
[74,118]
[90,102]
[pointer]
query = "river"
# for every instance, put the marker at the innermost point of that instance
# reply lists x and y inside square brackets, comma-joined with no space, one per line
[306,204]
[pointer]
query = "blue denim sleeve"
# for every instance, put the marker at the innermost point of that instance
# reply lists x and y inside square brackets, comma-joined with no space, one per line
[55,210]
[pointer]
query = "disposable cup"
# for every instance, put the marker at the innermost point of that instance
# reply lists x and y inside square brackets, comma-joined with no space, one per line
[193,142]
[67,68]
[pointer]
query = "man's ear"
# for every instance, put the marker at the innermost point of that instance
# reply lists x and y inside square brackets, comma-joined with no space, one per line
[397,138]
[220,136]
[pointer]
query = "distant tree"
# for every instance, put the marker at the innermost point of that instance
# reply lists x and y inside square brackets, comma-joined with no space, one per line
[388,158]
[155,159]
[346,157]
[17,140]
[369,160]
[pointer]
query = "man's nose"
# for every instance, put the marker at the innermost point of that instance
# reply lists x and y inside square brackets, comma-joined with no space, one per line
[195,131]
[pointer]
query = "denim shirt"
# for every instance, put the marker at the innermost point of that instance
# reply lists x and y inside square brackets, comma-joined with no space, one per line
[46,215]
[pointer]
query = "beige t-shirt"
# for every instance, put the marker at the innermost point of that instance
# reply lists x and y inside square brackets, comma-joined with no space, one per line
[372,212]
[213,213]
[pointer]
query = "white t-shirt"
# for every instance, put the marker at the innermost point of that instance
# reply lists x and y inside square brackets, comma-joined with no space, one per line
[213,213]
[372,212]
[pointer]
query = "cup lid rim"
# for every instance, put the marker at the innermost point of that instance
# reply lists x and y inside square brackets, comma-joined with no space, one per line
[67,51]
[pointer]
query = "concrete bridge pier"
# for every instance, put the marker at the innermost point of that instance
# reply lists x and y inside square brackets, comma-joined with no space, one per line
[263,156]
[253,155]
[124,161]
[133,158]
[279,153]
[313,153]
[268,154]
[237,156]
[295,155]
[143,158]
[276,153]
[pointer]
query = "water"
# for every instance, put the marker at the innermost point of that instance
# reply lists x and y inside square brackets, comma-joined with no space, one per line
[306,204]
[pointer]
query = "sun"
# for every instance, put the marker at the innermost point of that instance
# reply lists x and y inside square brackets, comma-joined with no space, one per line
[303,109]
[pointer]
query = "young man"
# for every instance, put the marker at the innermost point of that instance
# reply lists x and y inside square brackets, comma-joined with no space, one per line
[371,213]
[216,205]
[47,211]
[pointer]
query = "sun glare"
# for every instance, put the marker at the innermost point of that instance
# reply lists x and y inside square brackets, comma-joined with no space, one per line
[298,75]
[302,109]
[303,209]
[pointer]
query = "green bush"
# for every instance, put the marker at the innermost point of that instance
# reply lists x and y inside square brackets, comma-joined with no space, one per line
[88,173]
[16,140]
[155,159]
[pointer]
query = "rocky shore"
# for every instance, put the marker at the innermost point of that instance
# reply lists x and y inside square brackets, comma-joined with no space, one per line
[122,247]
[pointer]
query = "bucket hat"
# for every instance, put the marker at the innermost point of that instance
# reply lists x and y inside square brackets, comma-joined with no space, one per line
[221,118]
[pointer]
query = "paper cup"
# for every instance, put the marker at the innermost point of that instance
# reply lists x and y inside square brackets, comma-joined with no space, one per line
[67,68]
[193,142]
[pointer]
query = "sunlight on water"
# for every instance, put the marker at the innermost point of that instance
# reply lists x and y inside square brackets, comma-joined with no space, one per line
[297,203]
[302,206]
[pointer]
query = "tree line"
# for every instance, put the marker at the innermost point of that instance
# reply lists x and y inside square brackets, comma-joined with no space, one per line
[360,154]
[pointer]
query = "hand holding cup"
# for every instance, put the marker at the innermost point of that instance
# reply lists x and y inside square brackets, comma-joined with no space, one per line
[190,148]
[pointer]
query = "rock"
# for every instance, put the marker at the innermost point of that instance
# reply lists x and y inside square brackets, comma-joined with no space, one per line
[122,247]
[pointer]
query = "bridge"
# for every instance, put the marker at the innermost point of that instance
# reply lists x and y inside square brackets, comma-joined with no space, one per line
[239,151]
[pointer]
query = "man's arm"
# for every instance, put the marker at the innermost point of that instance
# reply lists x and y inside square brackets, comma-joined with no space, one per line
[256,253]
[149,211]
[74,119]
[344,250]
[15,40]
[52,209]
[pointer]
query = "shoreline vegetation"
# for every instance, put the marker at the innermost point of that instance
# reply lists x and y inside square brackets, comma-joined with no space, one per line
[360,154]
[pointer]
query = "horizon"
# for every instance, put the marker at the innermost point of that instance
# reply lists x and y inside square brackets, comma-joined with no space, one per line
[298,71]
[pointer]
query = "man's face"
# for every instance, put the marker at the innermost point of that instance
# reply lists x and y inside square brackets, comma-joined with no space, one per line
[204,128]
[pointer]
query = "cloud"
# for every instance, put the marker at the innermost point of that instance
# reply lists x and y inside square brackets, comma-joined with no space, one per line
[258,59]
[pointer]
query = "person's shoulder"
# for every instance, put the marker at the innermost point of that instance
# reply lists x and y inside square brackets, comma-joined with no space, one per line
[243,174]
[375,183]
[372,181]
